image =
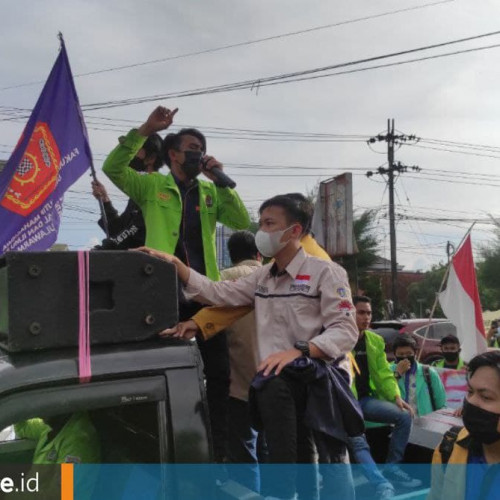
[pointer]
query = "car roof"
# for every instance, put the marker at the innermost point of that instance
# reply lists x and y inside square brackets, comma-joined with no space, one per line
[400,323]
[27,370]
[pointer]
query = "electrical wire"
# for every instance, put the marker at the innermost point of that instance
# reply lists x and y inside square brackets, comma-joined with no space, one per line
[242,44]
[298,75]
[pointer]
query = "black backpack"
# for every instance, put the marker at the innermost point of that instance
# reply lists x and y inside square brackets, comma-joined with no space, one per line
[448,442]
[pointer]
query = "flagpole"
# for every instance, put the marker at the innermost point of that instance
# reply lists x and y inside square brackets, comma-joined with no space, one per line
[92,168]
[445,276]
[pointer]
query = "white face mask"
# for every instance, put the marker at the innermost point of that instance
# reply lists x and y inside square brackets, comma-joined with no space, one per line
[269,244]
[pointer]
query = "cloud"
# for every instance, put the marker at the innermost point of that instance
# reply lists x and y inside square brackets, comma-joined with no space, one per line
[455,98]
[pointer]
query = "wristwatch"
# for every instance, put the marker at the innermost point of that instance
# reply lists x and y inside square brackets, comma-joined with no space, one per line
[303,347]
[397,375]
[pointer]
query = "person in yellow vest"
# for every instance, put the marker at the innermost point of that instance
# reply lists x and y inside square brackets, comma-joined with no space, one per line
[477,444]
[450,349]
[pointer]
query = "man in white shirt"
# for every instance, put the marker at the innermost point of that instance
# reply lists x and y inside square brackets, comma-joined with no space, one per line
[303,307]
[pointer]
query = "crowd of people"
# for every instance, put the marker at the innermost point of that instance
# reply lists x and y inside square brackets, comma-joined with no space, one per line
[292,369]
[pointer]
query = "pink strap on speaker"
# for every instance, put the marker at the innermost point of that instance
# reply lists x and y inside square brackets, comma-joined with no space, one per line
[84,367]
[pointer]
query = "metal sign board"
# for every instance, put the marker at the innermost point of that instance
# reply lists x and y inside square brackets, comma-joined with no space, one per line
[333,216]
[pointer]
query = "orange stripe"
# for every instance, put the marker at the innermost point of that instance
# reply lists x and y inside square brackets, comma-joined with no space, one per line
[67,481]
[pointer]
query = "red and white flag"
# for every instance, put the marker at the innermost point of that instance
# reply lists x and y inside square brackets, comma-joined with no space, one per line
[460,302]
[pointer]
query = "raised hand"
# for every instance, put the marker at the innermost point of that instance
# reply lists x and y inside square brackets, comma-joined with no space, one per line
[160,119]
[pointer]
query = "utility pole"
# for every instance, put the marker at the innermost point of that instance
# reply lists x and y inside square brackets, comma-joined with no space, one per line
[392,216]
[392,140]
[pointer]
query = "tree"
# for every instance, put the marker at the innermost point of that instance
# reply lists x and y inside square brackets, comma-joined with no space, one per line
[422,295]
[357,265]
[367,245]
[488,276]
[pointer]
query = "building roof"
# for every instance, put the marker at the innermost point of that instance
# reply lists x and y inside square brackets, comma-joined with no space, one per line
[383,265]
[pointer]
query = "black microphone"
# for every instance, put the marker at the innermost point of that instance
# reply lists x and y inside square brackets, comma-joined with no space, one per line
[221,179]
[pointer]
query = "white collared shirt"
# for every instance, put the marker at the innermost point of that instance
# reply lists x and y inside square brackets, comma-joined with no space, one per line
[310,300]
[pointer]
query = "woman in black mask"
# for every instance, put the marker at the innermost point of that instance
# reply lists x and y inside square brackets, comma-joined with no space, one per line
[477,445]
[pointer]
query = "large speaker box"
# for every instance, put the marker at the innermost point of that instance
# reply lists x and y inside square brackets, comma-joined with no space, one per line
[133,296]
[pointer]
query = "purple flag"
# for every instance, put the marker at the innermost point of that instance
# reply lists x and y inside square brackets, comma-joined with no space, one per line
[52,153]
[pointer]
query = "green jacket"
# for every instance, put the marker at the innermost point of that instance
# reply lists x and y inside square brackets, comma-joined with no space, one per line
[76,442]
[424,404]
[383,385]
[161,204]
[440,364]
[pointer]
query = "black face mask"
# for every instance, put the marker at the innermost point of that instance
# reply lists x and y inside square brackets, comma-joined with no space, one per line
[481,424]
[137,164]
[450,356]
[411,359]
[192,164]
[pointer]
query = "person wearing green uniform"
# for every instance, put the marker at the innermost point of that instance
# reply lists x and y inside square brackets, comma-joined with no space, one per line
[178,208]
[62,439]
[450,349]
[181,211]
[419,385]
[67,438]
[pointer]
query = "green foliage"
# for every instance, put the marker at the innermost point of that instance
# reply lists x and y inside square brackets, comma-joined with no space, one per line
[358,264]
[372,287]
[367,244]
[422,295]
[488,275]
[254,224]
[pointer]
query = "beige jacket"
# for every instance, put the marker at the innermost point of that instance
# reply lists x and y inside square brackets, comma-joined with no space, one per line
[241,339]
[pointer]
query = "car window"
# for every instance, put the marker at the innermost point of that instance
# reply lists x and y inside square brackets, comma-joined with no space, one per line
[388,334]
[128,434]
[430,334]
[444,329]
[438,330]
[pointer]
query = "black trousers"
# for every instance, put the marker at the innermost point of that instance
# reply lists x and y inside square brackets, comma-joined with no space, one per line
[216,369]
[215,356]
[281,406]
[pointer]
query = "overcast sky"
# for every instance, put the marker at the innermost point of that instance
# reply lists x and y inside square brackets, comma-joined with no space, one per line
[443,101]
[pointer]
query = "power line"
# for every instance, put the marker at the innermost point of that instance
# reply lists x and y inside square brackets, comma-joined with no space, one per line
[468,145]
[453,151]
[245,43]
[450,181]
[295,76]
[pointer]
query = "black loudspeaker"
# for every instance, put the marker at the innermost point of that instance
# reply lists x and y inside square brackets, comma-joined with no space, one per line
[133,296]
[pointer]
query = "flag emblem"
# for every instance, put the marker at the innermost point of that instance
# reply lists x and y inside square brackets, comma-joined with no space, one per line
[52,153]
[36,175]
[302,279]
[301,283]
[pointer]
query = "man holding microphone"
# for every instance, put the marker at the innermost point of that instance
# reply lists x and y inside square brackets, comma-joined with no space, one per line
[180,212]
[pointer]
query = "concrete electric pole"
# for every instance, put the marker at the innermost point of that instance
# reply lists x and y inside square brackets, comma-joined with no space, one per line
[392,139]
